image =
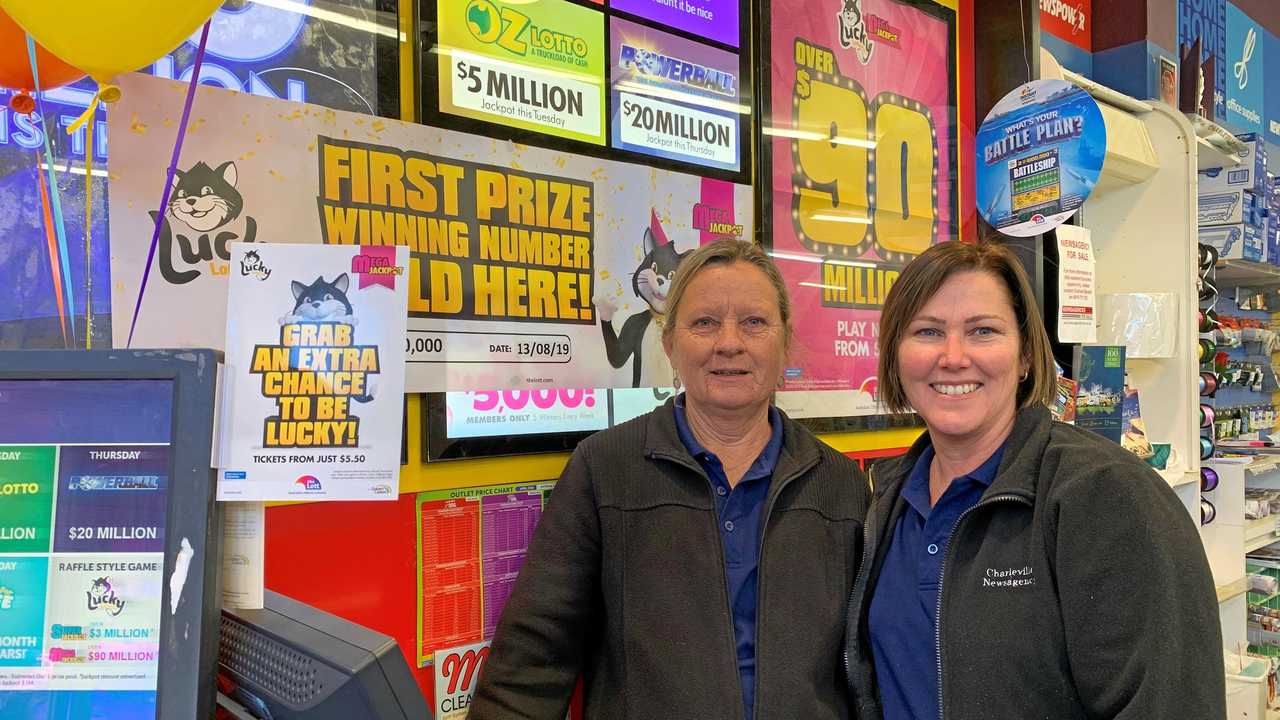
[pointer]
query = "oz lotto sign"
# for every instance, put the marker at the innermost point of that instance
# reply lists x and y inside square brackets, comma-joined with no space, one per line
[534,65]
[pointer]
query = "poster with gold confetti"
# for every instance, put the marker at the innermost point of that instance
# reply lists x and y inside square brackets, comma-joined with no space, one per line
[527,267]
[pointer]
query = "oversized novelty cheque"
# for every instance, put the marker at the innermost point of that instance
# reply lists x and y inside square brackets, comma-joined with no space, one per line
[313,388]
[527,268]
[862,151]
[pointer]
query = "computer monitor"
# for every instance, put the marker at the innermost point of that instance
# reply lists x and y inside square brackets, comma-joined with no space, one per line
[290,660]
[109,535]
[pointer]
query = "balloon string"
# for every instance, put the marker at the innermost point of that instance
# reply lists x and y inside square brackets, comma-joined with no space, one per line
[168,181]
[53,252]
[58,223]
[88,234]
[107,93]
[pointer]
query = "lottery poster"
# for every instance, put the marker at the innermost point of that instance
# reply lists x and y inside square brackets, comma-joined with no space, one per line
[471,546]
[862,136]
[313,389]
[1040,152]
[85,475]
[527,268]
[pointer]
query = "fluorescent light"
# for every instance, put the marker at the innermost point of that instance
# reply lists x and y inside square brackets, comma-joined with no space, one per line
[819,260]
[827,217]
[74,169]
[642,89]
[334,17]
[812,135]
[821,286]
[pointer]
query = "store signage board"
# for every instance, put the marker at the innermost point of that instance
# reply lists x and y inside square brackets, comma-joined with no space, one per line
[534,65]
[486,413]
[1207,21]
[861,137]
[85,474]
[674,98]
[1077,299]
[1271,80]
[313,389]
[1246,72]
[522,260]
[1039,154]
[716,20]
[1068,20]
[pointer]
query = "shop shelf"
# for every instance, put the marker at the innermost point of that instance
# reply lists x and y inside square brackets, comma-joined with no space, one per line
[1234,589]
[1259,533]
[1236,273]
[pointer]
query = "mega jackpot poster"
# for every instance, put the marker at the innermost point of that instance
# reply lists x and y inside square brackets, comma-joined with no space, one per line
[862,132]
[528,268]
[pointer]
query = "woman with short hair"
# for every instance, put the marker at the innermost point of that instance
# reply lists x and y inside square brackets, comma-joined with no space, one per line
[694,562]
[1016,567]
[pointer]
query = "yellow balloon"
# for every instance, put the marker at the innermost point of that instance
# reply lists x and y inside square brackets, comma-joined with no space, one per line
[108,37]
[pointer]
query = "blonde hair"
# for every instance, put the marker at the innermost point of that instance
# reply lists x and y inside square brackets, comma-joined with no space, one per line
[726,252]
[923,277]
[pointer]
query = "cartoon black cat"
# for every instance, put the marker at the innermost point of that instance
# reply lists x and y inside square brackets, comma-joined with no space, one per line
[641,335]
[321,302]
[204,199]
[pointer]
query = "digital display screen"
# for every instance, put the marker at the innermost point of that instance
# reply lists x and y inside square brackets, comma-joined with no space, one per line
[84,478]
[495,413]
[712,19]
[674,98]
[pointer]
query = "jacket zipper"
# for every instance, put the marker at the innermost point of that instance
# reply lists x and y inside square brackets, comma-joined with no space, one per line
[764,529]
[768,510]
[862,567]
[942,571]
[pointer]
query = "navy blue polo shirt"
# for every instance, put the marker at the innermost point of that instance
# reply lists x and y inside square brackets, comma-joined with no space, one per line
[740,517]
[904,606]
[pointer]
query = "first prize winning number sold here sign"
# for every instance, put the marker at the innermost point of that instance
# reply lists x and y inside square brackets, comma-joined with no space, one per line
[537,66]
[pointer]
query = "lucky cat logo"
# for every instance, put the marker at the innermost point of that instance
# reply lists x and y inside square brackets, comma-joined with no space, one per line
[640,341]
[321,301]
[853,30]
[252,266]
[102,597]
[202,217]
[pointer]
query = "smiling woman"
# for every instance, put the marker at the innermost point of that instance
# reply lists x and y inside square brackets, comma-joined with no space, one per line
[1035,529]
[681,550]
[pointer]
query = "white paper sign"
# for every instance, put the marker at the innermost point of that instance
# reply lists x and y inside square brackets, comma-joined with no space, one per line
[315,372]
[456,671]
[243,554]
[1076,301]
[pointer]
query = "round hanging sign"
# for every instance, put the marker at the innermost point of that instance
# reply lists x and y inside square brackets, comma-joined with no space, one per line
[1040,152]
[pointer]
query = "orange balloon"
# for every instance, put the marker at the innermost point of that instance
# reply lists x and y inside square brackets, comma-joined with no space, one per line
[15,62]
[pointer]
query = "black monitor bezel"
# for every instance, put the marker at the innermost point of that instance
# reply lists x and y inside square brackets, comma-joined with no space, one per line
[188,637]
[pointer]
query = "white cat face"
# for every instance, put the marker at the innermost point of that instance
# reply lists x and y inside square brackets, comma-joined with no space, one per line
[654,287]
[325,307]
[203,212]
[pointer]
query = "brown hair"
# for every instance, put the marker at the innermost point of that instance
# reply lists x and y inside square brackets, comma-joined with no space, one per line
[726,252]
[922,278]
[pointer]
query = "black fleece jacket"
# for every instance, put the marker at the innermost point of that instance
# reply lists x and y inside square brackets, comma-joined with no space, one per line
[1076,588]
[624,584]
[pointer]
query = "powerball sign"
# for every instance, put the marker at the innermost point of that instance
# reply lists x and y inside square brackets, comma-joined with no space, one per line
[863,136]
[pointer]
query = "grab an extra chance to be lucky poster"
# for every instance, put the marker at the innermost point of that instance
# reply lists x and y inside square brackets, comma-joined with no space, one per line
[861,132]
[528,268]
